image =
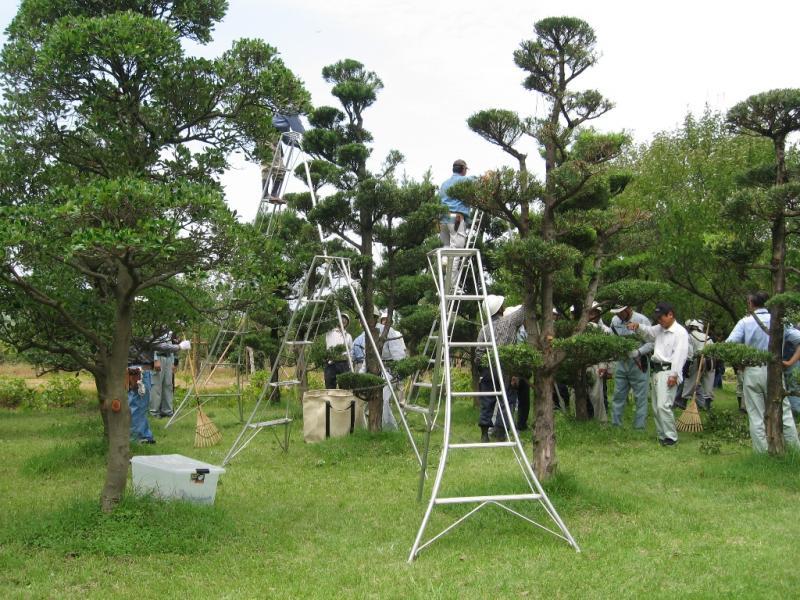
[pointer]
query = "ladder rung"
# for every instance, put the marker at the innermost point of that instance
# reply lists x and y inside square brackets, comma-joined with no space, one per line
[423,384]
[475,394]
[281,421]
[470,344]
[484,445]
[287,382]
[433,337]
[299,343]
[499,498]
[416,409]
[217,395]
[316,301]
[471,298]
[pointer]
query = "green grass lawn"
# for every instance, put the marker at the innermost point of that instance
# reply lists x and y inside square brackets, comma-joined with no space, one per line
[337,519]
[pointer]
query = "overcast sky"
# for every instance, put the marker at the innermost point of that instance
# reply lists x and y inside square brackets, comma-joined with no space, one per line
[442,60]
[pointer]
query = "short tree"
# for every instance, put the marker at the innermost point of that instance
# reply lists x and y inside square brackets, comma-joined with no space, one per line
[111,137]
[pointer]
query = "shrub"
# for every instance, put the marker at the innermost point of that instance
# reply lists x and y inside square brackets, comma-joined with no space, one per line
[14,393]
[62,392]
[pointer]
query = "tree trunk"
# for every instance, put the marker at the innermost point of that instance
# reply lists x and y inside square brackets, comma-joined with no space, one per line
[119,417]
[581,396]
[375,404]
[101,385]
[544,434]
[774,401]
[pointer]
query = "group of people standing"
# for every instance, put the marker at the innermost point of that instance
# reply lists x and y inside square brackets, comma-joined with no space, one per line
[151,383]
[355,352]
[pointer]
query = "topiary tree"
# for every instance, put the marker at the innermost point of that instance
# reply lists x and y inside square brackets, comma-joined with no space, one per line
[775,208]
[565,226]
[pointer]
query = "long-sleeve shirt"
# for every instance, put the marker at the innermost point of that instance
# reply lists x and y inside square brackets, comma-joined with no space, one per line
[142,353]
[747,331]
[394,348]
[453,205]
[671,345]
[505,330]
[697,341]
[335,338]
[619,327]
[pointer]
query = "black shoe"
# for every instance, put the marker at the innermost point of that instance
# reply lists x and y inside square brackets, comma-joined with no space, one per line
[165,415]
[667,442]
[484,435]
[500,435]
[680,403]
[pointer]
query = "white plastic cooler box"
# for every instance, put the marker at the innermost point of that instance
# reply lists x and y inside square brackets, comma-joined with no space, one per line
[174,476]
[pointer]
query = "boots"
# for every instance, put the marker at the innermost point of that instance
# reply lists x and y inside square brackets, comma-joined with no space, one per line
[484,434]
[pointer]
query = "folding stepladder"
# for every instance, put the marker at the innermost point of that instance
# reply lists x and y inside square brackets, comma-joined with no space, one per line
[421,379]
[304,326]
[228,339]
[442,378]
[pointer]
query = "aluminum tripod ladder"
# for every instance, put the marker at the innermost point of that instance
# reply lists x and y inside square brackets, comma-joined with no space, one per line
[442,377]
[229,337]
[326,276]
[421,380]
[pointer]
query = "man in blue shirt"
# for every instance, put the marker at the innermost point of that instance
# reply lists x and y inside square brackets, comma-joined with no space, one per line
[753,331]
[631,373]
[454,225]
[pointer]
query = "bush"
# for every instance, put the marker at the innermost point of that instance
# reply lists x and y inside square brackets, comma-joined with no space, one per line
[62,392]
[14,393]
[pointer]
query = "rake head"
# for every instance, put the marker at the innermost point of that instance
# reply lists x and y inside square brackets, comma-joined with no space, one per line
[690,419]
[206,433]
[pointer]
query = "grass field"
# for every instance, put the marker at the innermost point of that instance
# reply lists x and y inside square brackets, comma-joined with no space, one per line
[337,519]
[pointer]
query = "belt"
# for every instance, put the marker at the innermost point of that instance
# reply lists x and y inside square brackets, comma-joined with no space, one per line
[660,366]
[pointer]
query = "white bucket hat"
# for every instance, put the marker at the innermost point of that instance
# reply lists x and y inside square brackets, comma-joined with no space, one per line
[493,303]
[618,309]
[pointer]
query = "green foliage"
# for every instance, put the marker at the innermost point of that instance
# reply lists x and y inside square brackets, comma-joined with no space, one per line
[408,366]
[363,385]
[14,393]
[737,355]
[519,360]
[62,392]
[593,346]
[632,292]
[773,114]
[497,126]
[534,256]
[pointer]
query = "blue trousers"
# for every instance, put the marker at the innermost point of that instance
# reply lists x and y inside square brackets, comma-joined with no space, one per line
[139,405]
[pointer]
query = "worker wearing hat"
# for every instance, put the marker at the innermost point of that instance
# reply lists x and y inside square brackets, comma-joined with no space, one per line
[705,388]
[671,347]
[505,325]
[454,224]
[630,373]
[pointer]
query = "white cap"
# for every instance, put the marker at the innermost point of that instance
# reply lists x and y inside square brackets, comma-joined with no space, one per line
[695,324]
[618,309]
[494,303]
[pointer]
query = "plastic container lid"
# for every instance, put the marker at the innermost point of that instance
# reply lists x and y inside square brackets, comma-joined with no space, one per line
[175,463]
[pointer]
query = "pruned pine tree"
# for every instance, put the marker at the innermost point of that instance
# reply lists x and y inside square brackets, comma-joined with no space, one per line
[774,207]
[368,210]
[565,225]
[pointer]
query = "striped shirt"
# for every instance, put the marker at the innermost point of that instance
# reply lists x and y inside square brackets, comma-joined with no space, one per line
[505,330]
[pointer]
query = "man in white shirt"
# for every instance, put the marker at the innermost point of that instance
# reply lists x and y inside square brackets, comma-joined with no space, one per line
[669,355]
[338,336]
[394,348]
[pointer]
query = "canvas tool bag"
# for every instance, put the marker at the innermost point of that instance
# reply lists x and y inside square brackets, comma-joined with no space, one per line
[331,413]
